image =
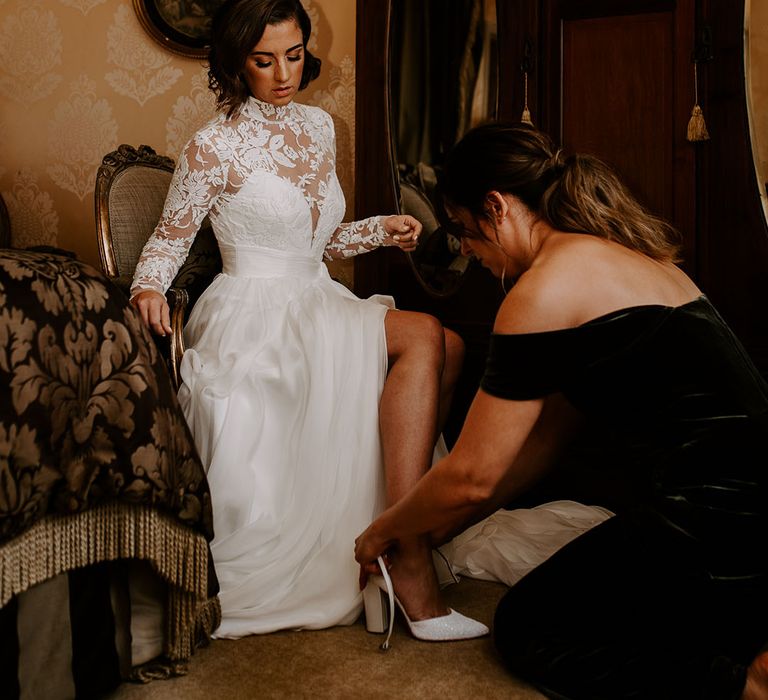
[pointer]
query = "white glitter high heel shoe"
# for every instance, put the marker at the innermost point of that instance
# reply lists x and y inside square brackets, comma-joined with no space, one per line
[379,600]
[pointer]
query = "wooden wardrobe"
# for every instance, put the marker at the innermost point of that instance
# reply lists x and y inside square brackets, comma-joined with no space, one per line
[615,79]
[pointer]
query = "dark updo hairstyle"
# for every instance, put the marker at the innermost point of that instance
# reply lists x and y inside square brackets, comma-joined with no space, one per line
[236,28]
[578,194]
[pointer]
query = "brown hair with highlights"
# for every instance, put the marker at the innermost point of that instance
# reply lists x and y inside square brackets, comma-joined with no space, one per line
[236,28]
[578,194]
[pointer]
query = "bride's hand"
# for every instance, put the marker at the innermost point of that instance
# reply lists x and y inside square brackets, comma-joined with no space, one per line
[154,311]
[403,230]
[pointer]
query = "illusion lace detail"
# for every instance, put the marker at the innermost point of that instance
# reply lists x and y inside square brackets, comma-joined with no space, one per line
[356,237]
[267,178]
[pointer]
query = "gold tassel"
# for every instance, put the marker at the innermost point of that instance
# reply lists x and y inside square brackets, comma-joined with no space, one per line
[697,127]
[526,117]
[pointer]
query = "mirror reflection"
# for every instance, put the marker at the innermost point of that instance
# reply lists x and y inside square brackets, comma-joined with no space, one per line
[443,80]
[756,72]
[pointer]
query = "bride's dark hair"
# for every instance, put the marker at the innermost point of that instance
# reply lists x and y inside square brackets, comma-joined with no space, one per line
[579,194]
[236,28]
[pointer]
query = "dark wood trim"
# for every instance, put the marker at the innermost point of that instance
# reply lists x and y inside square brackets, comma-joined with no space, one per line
[375,186]
[685,152]
[585,9]
[732,231]
[520,22]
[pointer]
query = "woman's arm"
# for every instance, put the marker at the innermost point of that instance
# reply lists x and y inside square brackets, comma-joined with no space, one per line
[197,182]
[503,448]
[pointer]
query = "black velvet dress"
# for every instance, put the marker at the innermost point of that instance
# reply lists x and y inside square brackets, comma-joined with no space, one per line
[667,599]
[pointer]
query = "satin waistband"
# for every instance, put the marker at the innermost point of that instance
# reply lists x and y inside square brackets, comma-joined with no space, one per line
[239,261]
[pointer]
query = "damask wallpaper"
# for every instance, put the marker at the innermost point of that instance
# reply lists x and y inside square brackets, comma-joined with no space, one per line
[80,77]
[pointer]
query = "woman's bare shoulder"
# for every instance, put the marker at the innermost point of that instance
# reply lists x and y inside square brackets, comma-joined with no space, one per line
[537,302]
[581,277]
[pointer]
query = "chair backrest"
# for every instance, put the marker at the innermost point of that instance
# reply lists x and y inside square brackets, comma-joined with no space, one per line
[131,186]
[5,225]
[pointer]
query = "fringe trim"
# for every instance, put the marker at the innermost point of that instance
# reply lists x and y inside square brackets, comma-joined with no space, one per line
[159,669]
[120,531]
[163,667]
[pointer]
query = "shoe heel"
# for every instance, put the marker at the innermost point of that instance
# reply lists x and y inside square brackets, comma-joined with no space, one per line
[376,609]
[379,602]
[443,569]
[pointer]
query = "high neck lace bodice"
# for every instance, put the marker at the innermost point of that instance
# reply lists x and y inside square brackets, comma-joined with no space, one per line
[267,178]
[266,111]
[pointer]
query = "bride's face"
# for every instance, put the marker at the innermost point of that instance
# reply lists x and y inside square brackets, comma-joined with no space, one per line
[273,68]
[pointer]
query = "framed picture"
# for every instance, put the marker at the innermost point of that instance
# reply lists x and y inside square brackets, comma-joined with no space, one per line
[181,26]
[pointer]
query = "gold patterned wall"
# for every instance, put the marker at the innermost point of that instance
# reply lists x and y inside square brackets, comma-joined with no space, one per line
[80,77]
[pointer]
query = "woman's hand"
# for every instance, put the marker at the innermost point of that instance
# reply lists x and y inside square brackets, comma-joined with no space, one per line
[369,546]
[403,230]
[154,311]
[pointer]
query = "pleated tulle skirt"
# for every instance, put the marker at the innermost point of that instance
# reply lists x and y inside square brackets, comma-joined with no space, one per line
[281,386]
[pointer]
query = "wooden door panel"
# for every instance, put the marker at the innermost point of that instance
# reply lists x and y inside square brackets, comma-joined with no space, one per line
[617,84]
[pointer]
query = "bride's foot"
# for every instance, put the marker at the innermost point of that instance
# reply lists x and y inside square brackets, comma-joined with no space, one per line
[415,582]
[756,687]
[380,601]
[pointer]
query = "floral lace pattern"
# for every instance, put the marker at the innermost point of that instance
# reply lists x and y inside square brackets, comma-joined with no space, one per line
[266,177]
[357,237]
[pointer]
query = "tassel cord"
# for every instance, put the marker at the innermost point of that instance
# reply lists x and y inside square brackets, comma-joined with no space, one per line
[526,116]
[697,127]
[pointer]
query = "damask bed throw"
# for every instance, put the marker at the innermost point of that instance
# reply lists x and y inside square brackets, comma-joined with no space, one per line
[96,461]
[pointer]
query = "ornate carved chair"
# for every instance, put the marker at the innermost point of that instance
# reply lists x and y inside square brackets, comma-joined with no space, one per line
[131,186]
[5,225]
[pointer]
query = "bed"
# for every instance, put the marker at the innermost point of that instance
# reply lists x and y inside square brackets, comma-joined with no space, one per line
[105,513]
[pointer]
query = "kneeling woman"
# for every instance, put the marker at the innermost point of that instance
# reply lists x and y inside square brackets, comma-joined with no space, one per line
[666,600]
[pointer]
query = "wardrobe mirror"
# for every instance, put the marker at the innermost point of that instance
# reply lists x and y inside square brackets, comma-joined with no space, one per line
[443,79]
[756,73]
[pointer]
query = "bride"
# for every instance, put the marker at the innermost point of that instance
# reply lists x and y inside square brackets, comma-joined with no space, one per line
[312,409]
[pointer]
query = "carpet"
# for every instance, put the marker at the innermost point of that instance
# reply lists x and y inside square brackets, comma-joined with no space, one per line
[345,662]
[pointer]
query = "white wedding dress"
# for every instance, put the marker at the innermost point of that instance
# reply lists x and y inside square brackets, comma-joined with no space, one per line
[284,368]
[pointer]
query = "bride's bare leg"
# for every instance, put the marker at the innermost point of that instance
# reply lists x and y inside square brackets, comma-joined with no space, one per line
[756,687]
[409,415]
[454,360]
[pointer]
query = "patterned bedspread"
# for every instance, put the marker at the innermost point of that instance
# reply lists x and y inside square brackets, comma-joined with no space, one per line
[88,414]
[98,475]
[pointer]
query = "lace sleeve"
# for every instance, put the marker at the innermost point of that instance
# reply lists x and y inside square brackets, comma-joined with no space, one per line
[357,237]
[197,183]
[354,237]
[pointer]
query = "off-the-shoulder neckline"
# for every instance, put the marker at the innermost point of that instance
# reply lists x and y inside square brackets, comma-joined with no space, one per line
[603,318]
